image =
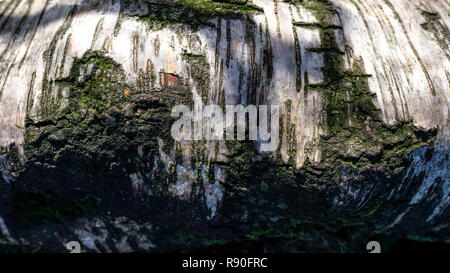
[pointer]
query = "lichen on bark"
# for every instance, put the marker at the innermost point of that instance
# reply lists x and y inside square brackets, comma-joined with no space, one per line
[104,150]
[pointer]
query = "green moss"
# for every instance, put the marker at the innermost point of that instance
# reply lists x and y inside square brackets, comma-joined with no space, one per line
[101,88]
[192,57]
[47,206]
[184,238]
[370,209]
[223,7]
[321,9]
[356,136]
[261,233]
[419,238]
[193,12]
[107,131]
[316,26]
[19,249]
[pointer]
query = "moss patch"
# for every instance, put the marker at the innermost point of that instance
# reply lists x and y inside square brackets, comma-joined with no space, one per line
[44,206]
[194,12]
[106,131]
[356,136]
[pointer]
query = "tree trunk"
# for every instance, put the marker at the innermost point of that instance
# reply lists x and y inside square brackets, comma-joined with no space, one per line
[86,94]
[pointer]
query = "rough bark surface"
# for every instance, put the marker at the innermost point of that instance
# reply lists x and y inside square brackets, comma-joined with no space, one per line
[86,91]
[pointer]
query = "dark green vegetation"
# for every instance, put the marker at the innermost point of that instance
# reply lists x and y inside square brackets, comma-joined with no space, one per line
[15,249]
[355,134]
[50,206]
[196,12]
[263,194]
[95,141]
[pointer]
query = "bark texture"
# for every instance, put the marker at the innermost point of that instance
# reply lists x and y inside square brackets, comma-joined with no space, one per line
[86,91]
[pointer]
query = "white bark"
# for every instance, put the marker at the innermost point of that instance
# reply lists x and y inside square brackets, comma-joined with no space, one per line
[410,67]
